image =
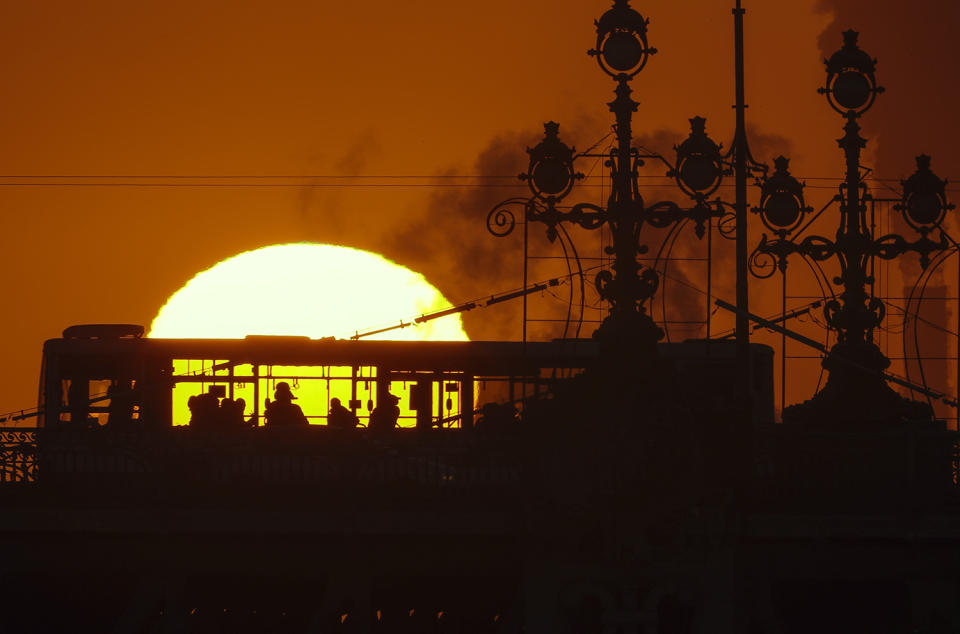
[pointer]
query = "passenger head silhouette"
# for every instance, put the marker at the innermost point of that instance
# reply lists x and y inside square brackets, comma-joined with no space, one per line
[282,392]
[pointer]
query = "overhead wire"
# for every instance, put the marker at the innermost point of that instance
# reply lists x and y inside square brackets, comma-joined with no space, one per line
[440,181]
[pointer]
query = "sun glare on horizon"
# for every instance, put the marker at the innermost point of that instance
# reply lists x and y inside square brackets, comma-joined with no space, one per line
[316,290]
[313,290]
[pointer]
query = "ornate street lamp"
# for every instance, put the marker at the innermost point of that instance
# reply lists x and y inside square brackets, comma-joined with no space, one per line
[856,390]
[781,199]
[699,168]
[622,51]
[551,174]
[782,209]
[622,48]
[924,206]
[851,84]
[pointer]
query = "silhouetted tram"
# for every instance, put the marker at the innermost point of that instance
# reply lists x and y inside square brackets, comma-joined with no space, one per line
[111,376]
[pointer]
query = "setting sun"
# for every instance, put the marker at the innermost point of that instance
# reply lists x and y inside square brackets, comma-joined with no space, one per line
[312,290]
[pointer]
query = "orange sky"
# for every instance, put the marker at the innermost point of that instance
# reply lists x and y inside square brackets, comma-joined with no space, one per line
[422,88]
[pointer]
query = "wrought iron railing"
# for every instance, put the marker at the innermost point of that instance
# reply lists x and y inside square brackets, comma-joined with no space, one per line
[18,455]
[788,462]
[451,471]
[901,467]
[956,464]
[107,458]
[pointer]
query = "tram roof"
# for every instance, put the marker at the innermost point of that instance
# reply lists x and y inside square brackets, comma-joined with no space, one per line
[282,350]
[297,350]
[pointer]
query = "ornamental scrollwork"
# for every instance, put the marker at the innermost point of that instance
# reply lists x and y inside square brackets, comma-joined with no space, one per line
[663,214]
[832,312]
[588,215]
[762,263]
[727,225]
[602,281]
[649,282]
[818,248]
[18,455]
[501,221]
[877,309]
[890,246]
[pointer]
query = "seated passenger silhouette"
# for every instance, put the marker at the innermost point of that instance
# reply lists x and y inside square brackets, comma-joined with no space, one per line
[231,412]
[120,411]
[282,411]
[204,410]
[78,402]
[340,417]
[497,417]
[385,415]
[224,412]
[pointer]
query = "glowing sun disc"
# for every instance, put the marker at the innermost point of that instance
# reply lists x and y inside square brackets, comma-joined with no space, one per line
[317,290]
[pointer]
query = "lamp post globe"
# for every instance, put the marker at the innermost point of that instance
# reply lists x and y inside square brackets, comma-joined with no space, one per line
[622,41]
[550,173]
[622,51]
[699,170]
[851,86]
[851,90]
[781,210]
[924,202]
[781,199]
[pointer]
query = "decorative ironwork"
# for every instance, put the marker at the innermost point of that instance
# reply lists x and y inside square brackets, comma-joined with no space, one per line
[851,83]
[699,162]
[501,221]
[622,51]
[550,174]
[764,260]
[855,390]
[924,198]
[911,315]
[955,464]
[18,455]
[622,48]
[782,206]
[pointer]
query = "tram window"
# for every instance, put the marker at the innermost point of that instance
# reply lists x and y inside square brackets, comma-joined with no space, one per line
[433,394]
[101,403]
[193,377]
[313,386]
[516,390]
[492,389]
[64,390]
[68,388]
[86,401]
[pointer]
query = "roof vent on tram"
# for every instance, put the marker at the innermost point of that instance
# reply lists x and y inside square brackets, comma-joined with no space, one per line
[103,331]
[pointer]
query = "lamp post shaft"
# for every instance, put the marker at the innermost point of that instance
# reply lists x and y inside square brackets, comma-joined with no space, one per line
[622,208]
[740,167]
[853,240]
[852,143]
